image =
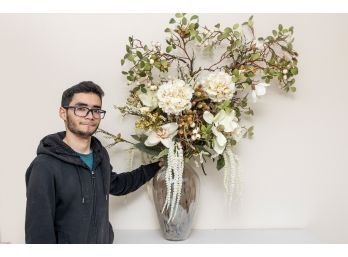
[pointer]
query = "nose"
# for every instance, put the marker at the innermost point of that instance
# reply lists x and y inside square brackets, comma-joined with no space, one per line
[89,115]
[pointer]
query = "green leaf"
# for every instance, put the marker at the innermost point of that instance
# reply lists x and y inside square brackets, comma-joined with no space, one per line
[184,21]
[142,74]
[129,50]
[249,133]
[294,71]
[148,150]
[227,30]
[141,138]
[130,57]
[139,54]
[221,162]
[250,22]
[124,72]
[164,63]
[255,56]
[169,49]
[199,39]
[193,33]
[217,25]
[122,61]
[222,36]
[162,153]
[270,38]
[236,34]
[194,17]
[274,32]
[280,27]
[167,30]
[178,15]
[136,137]
[236,26]
[235,72]
[293,89]
[147,67]
[172,20]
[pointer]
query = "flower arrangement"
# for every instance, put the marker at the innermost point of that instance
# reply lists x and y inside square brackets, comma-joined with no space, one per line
[186,110]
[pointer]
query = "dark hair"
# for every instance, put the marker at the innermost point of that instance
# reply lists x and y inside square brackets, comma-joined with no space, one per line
[82,87]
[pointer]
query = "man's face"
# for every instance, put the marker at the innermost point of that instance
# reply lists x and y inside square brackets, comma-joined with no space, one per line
[82,126]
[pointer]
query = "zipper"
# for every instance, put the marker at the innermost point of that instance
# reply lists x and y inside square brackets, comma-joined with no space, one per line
[94,197]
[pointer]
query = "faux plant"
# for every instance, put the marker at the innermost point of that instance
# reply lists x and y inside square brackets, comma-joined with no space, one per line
[186,110]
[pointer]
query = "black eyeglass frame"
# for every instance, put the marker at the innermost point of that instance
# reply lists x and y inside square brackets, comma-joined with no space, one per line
[92,110]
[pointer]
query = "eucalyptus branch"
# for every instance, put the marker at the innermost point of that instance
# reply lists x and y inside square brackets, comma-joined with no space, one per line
[117,139]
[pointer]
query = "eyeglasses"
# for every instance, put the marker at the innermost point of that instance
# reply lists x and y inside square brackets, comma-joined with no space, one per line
[83,111]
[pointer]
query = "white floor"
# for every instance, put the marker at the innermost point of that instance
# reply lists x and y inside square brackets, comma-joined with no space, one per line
[220,236]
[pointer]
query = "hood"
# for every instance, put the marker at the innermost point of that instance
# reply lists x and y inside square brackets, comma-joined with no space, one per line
[54,145]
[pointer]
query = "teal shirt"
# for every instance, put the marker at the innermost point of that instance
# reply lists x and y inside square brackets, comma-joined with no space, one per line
[88,159]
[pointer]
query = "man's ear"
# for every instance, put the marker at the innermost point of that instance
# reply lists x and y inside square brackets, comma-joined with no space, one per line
[62,113]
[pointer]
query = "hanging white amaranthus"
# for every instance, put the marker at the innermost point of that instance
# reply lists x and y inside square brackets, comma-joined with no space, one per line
[173,177]
[231,175]
[130,158]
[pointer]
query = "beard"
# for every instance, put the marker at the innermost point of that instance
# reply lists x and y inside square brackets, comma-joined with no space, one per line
[74,128]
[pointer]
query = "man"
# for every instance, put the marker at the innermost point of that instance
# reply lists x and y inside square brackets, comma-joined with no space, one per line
[69,182]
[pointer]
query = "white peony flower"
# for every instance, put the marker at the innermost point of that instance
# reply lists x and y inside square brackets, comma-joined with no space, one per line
[260,90]
[174,96]
[164,135]
[228,121]
[219,86]
[148,99]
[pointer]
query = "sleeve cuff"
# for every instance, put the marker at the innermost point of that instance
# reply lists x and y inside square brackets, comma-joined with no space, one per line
[151,169]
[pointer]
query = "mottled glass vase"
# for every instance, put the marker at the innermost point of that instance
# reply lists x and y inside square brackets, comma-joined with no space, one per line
[179,228]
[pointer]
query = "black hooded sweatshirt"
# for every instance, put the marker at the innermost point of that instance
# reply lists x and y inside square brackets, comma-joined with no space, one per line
[67,202]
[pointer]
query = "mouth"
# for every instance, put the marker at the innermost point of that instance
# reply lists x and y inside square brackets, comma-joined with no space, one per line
[90,125]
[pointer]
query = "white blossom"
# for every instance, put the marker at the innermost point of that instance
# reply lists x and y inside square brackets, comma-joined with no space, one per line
[260,90]
[228,121]
[174,96]
[219,86]
[259,44]
[164,135]
[148,99]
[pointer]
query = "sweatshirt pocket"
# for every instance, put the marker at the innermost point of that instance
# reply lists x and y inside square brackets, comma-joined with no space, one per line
[62,238]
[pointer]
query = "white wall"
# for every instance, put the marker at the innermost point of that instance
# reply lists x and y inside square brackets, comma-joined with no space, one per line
[294,169]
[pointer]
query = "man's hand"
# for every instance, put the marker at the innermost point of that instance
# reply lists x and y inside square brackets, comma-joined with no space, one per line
[162,162]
